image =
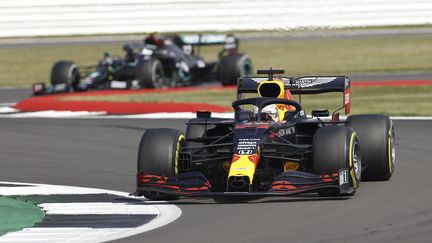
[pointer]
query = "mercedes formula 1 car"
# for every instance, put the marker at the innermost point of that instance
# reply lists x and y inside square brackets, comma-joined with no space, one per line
[162,61]
[276,151]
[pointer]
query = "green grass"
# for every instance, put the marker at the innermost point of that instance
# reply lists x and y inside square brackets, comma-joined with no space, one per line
[16,215]
[344,56]
[22,66]
[395,101]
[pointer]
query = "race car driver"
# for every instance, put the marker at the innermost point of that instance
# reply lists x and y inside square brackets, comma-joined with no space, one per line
[276,112]
[270,113]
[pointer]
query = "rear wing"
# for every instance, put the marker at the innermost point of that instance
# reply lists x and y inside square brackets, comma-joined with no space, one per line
[229,41]
[302,85]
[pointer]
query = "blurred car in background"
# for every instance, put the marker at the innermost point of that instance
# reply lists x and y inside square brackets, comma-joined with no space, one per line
[161,61]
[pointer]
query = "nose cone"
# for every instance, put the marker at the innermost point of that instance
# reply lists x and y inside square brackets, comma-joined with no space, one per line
[243,165]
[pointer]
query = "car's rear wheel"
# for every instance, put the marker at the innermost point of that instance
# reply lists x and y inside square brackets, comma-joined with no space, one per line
[158,154]
[377,138]
[336,148]
[66,73]
[233,66]
[150,74]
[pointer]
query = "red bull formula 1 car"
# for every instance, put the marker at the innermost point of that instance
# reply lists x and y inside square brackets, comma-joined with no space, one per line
[268,152]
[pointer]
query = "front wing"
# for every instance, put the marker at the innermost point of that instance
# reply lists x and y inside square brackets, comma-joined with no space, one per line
[195,184]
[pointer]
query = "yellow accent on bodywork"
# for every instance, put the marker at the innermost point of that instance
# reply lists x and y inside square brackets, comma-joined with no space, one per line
[290,166]
[279,83]
[281,109]
[180,138]
[351,165]
[242,167]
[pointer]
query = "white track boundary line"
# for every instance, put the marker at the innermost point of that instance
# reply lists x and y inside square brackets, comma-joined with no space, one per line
[167,213]
[7,109]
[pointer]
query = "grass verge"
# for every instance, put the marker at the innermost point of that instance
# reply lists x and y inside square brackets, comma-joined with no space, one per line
[395,101]
[16,215]
[22,66]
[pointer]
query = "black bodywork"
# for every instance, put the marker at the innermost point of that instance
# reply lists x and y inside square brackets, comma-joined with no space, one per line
[281,151]
[172,59]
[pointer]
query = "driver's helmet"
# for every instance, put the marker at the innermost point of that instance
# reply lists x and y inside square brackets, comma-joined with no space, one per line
[107,58]
[270,113]
[107,54]
[152,40]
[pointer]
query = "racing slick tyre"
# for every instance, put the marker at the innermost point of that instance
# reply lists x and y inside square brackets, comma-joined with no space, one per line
[377,139]
[150,74]
[67,73]
[231,67]
[335,148]
[158,154]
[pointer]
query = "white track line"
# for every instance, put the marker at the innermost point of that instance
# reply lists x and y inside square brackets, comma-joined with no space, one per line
[97,208]
[41,189]
[49,114]
[166,213]
[7,109]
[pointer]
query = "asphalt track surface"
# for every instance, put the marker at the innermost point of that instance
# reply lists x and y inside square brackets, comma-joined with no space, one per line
[102,153]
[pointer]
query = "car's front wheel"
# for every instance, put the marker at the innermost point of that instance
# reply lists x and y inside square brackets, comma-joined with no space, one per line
[65,73]
[336,148]
[158,154]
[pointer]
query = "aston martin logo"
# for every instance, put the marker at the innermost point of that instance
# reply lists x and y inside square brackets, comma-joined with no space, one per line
[312,81]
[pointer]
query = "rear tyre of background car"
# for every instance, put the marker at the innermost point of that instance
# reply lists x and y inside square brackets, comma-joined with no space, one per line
[67,73]
[158,154]
[335,148]
[233,66]
[377,139]
[150,74]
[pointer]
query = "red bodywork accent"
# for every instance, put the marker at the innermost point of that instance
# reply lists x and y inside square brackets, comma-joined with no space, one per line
[235,158]
[287,96]
[148,180]
[254,159]
[336,117]
[347,101]
[285,185]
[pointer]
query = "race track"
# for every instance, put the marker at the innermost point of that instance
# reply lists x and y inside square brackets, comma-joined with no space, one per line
[102,154]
